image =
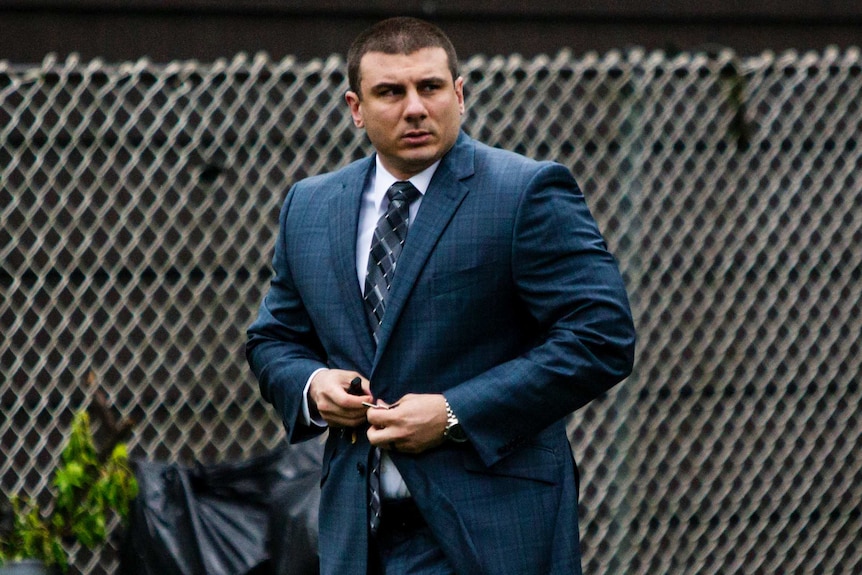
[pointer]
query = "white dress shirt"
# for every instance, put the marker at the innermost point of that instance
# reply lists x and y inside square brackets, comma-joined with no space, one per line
[374,204]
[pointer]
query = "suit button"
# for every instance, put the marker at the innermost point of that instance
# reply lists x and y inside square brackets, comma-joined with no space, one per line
[360,467]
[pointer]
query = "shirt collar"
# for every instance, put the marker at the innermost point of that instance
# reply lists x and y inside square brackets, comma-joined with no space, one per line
[383,180]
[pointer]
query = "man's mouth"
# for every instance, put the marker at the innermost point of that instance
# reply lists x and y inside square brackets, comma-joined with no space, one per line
[416,136]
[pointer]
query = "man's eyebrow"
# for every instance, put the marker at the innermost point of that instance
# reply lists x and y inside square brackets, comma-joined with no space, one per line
[386,85]
[427,80]
[432,80]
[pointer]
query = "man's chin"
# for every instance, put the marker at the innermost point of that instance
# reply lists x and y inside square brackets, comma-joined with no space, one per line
[419,160]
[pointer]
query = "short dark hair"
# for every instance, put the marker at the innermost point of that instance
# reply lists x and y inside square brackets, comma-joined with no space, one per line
[401,35]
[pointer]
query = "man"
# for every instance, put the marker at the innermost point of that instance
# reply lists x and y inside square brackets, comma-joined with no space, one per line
[472,339]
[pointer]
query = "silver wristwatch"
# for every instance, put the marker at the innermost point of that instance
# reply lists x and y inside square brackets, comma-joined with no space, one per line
[454,431]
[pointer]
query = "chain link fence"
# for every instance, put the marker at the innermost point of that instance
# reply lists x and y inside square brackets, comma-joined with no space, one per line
[139,204]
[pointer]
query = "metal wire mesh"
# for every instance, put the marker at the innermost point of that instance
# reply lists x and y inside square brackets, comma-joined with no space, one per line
[139,204]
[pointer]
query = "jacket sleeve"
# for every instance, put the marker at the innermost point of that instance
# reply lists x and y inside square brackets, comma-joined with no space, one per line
[283,349]
[571,287]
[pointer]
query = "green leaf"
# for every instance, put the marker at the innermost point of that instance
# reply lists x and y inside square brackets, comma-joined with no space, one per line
[120,455]
[58,555]
[80,446]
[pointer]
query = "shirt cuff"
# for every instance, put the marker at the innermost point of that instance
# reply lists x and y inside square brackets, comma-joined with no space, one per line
[306,412]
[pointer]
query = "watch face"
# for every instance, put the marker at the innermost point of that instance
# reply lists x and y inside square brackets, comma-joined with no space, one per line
[456,433]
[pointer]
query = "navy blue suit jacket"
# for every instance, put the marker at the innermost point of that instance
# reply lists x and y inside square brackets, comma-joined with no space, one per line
[506,300]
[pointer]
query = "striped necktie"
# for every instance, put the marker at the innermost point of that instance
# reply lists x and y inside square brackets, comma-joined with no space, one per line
[386,245]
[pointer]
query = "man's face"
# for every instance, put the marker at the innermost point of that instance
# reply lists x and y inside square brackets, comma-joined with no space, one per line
[409,106]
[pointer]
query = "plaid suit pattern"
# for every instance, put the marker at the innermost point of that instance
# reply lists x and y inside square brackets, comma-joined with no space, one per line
[506,301]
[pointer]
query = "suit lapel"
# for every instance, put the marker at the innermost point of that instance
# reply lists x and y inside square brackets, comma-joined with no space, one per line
[344,215]
[439,204]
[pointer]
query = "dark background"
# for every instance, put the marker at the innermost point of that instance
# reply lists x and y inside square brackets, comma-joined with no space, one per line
[165,30]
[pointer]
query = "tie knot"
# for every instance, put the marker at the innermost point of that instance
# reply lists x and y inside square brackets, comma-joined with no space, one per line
[402,192]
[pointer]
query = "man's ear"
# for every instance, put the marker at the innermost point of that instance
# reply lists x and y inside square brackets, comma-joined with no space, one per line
[355,108]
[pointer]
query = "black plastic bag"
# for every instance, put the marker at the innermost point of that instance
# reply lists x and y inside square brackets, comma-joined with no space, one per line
[255,517]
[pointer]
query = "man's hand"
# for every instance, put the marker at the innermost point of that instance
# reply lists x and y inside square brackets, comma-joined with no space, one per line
[414,423]
[327,395]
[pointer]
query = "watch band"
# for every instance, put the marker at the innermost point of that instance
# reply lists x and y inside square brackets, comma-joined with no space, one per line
[451,418]
[454,431]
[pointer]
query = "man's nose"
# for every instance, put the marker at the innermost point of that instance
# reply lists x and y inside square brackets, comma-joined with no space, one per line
[415,105]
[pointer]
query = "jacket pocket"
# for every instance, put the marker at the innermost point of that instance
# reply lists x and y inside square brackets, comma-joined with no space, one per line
[534,462]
